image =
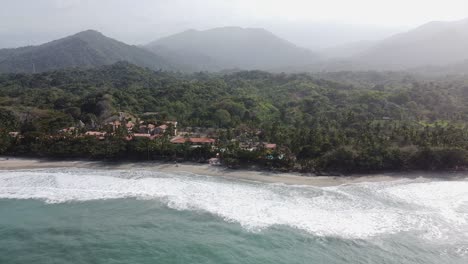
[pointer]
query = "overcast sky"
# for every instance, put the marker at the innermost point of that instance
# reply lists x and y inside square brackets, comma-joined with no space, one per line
[311,23]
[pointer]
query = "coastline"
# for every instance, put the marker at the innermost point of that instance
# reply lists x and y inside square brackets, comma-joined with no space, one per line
[292,178]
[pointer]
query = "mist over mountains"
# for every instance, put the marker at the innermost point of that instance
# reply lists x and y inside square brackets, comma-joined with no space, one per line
[86,49]
[232,47]
[432,44]
[433,47]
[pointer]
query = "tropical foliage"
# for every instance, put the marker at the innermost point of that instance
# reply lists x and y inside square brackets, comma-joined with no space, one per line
[324,122]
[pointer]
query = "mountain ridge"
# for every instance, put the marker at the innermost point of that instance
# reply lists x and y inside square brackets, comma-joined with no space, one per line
[436,43]
[84,49]
[233,47]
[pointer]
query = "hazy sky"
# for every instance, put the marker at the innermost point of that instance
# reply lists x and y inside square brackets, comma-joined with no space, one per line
[311,23]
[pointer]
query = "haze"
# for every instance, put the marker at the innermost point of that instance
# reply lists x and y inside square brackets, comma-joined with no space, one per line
[314,24]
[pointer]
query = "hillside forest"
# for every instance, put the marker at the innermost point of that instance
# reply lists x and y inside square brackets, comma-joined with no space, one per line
[346,122]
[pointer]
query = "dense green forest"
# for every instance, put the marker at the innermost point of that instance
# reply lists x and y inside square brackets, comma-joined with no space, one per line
[344,122]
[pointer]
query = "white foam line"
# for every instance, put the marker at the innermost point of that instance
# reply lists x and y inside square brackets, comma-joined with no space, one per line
[436,209]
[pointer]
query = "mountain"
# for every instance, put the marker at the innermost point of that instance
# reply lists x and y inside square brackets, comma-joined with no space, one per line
[187,60]
[85,49]
[230,47]
[433,44]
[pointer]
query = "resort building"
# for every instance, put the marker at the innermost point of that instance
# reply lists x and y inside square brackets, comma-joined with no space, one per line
[193,141]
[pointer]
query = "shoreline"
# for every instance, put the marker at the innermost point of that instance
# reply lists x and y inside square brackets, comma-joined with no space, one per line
[289,178]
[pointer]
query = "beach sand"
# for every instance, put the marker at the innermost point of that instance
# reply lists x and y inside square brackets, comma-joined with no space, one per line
[205,169]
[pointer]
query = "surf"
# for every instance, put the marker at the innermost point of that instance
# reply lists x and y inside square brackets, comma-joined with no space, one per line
[435,210]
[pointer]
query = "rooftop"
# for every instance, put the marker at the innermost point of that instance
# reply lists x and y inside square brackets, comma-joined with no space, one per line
[203,140]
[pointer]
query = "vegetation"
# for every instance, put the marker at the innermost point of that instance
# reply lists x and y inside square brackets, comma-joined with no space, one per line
[230,48]
[86,49]
[365,122]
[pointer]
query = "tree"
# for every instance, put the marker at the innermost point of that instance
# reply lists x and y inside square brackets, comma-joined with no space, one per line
[5,141]
[222,117]
[8,120]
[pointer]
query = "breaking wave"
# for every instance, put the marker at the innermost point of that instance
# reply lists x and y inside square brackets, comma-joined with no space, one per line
[437,210]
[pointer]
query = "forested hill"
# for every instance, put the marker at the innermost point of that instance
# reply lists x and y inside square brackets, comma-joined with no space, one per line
[85,50]
[433,44]
[231,48]
[285,98]
[368,121]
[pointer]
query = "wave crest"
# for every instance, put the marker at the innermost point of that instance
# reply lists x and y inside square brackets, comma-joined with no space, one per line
[436,209]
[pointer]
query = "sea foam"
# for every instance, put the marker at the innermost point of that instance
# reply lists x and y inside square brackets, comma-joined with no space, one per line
[436,209]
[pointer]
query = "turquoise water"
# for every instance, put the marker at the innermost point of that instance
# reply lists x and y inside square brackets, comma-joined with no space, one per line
[104,216]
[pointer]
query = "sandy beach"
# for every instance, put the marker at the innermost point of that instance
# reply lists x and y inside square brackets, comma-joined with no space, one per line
[7,163]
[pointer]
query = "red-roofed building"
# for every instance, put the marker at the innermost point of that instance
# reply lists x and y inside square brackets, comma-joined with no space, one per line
[130,125]
[202,140]
[142,135]
[160,129]
[269,146]
[97,134]
[115,125]
[193,141]
[179,140]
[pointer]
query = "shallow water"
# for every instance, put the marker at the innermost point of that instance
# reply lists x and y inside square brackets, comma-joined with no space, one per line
[140,216]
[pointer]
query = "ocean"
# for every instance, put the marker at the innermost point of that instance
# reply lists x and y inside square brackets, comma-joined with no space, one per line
[76,215]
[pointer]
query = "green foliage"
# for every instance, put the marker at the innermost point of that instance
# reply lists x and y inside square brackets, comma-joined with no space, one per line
[85,49]
[338,121]
[440,158]
[222,117]
[5,141]
[8,120]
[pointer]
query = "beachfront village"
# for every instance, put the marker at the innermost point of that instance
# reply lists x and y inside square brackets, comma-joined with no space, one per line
[126,136]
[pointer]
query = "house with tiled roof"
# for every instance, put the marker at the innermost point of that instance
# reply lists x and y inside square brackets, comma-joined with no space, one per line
[115,125]
[193,140]
[130,125]
[142,135]
[97,134]
[269,146]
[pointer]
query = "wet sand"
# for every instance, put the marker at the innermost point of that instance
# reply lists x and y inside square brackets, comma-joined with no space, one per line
[215,171]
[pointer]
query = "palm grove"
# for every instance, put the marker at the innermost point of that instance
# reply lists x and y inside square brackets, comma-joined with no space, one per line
[344,122]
